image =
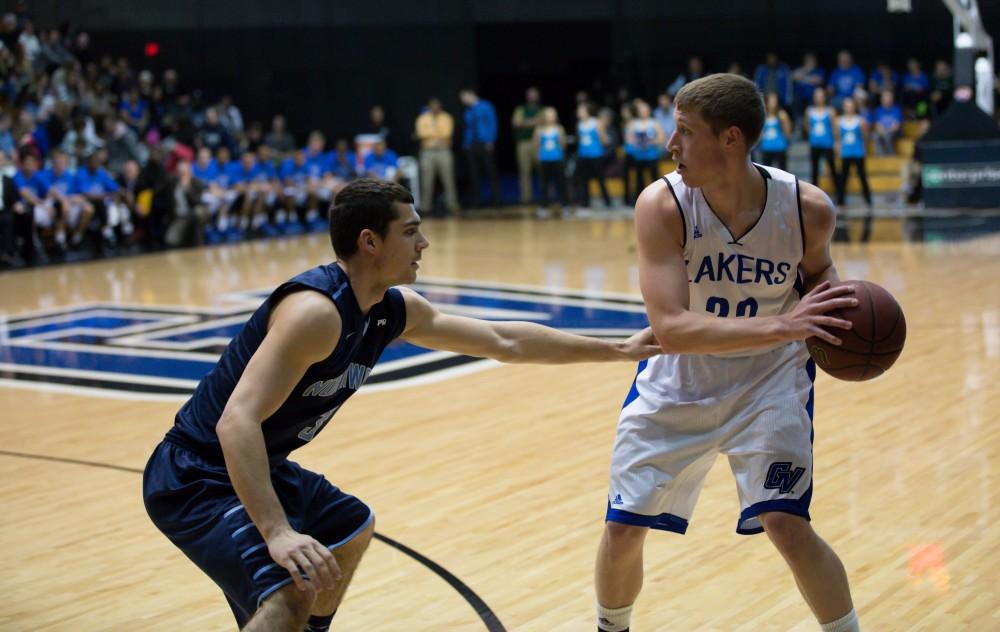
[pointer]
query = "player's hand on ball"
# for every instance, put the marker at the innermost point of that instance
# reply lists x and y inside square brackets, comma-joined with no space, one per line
[810,316]
[298,553]
[642,345]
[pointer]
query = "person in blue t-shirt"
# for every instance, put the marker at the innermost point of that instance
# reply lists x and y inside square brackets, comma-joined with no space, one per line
[295,197]
[478,142]
[99,188]
[805,79]
[888,124]
[281,541]
[916,89]
[382,163]
[882,79]
[343,162]
[845,79]
[71,208]
[550,150]
[33,187]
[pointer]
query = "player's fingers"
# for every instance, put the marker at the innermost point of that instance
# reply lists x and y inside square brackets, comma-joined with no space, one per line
[330,561]
[307,567]
[842,302]
[293,569]
[825,335]
[830,321]
[322,575]
[833,292]
[820,288]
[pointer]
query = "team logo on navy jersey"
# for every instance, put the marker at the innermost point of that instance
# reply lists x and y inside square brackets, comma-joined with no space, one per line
[159,351]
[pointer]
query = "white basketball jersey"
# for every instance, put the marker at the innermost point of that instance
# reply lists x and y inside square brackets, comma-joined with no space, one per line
[740,276]
[732,276]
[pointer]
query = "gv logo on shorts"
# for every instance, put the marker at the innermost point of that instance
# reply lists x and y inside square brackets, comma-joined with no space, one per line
[782,477]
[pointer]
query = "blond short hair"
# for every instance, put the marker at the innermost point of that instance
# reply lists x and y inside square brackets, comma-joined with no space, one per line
[725,100]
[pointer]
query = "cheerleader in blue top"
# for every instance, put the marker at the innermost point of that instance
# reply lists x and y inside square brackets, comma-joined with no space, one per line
[777,131]
[821,119]
[550,145]
[644,142]
[852,135]
[591,147]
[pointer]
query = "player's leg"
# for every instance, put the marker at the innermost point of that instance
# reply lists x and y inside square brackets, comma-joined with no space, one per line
[287,610]
[770,453]
[818,572]
[655,483]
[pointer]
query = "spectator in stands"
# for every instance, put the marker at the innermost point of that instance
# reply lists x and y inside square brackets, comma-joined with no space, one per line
[524,120]
[916,88]
[187,214]
[821,120]
[888,124]
[882,79]
[99,188]
[53,54]
[134,110]
[73,210]
[434,129]
[845,79]
[121,143]
[343,163]
[279,138]
[213,134]
[7,143]
[805,79]
[478,142]
[83,132]
[171,88]
[253,137]
[774,137]
[664,114]
[852,136]
[382,163]
[17,228]
[31,46]
[774,77]
[32,189]
[695,70]
[644,143]
[592,141]
[130,198]
[230,116]
[10,32]
[942,86]
[550,145]
[376,124]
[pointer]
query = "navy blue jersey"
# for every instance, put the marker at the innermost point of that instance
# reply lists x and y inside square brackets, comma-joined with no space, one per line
[323,389]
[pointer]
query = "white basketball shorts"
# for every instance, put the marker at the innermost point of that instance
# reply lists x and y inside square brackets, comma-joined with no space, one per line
[684,410]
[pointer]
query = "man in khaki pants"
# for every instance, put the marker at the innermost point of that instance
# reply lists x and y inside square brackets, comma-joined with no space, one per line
[434,129]
[526,117]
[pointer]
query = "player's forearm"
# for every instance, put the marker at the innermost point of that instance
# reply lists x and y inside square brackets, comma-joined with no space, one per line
[690,332]
[532,343]
[243,447]
[828,273]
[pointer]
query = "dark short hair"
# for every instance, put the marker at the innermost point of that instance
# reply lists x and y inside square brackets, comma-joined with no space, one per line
[364,203]
[725,100]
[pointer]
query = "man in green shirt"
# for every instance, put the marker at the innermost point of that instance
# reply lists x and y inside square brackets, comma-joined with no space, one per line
[526,117]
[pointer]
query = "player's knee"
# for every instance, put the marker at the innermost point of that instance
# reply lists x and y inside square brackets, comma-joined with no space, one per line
[624,540]
[290,606]
[789,533]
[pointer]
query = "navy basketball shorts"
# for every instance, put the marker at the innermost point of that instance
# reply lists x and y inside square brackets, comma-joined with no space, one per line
[194,504]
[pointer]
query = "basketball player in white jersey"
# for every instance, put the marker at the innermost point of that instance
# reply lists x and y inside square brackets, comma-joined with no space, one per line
[725,249]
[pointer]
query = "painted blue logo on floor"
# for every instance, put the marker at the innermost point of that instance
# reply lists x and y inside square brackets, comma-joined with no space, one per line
[152,350]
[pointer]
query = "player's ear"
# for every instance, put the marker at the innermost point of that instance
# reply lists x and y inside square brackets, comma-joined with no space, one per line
[733,135]
[367,241]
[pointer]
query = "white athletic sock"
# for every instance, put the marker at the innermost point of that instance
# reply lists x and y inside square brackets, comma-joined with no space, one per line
[846,623]
[613,619]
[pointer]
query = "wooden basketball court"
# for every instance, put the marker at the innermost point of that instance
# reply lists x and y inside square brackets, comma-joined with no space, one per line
[499,476]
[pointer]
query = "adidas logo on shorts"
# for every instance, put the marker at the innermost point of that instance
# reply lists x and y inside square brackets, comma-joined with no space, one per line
[617,500]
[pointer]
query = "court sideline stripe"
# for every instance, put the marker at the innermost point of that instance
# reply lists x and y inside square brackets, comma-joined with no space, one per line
[484,612]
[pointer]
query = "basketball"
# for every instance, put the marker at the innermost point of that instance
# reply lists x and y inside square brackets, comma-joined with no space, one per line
[872,346]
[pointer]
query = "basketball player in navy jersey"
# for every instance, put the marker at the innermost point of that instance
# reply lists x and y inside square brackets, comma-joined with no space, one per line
[726,247]
[280,541]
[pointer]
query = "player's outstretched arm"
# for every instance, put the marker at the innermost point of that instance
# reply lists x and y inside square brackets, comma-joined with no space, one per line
[304,329]
[663,280]
[514,341]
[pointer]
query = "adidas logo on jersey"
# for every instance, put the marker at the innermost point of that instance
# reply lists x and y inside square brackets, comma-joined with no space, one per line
[697,232]
[617,500]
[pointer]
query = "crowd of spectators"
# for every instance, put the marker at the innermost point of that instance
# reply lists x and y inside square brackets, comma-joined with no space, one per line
[100,157]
